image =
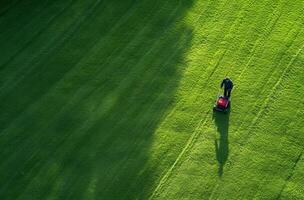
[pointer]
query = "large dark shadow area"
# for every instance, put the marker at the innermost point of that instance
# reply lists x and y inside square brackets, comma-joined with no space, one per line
[79,109]
[221,121]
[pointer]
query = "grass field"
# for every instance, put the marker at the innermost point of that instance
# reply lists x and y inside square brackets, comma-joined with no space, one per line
[113,99]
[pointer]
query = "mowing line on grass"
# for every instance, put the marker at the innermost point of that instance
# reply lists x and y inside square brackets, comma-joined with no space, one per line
[269,76]
[296,162]
[186,148]
[290,175]
[274,89]
[259,43]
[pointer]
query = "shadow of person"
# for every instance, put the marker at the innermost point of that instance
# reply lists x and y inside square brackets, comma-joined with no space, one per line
[222,144]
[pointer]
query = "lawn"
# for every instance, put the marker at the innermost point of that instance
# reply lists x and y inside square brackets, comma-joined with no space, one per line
[113,99]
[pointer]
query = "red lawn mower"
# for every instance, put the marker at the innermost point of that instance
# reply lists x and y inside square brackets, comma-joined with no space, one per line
[222,104]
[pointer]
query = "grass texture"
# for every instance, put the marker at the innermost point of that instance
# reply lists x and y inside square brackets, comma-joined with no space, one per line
[113,99]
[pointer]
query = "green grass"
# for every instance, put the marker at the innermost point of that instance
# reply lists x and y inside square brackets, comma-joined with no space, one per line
[113,99]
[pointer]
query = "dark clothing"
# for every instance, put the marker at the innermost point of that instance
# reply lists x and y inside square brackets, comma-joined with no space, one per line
[228,86]
[227,92]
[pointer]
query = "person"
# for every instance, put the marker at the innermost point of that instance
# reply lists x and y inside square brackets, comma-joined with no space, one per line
[228,86]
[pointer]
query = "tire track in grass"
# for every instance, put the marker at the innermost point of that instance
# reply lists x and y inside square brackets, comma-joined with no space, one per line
[272,23]
[190,142]
[268,33]
[290,175]
[268,78]
[293,168]
[274,89]
[176,163]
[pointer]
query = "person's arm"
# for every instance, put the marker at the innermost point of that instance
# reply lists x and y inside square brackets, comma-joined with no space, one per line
[231,85]
[222,83]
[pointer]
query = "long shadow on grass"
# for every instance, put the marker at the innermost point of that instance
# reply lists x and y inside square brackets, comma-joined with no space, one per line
[221,121]
[80,126]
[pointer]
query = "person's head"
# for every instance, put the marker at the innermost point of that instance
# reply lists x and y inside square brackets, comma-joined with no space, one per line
[227,77]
